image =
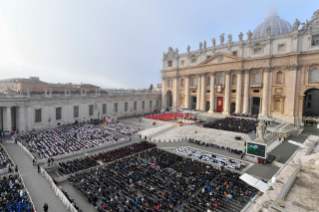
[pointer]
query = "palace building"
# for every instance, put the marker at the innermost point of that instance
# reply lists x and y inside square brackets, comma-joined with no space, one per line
[274,72]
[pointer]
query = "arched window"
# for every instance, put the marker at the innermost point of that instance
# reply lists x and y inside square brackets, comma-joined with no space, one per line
[309,105]
[314,75]
[221,80]
[279,77]
[257,78]
[194,81]
[234,80]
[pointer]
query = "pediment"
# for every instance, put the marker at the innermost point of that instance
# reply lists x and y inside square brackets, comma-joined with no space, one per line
[220,58]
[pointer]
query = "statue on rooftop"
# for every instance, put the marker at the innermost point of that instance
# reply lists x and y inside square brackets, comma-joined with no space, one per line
[230,38]
[200,45]
[240,36]
[222,39]
[214,42]
[296,25]
[204,44]
[188,48]
[268,31]
[249,34]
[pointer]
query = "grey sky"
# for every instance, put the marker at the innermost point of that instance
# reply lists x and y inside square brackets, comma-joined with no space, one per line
[117,43]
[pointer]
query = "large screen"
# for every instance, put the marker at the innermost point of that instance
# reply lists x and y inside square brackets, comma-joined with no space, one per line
[256,149]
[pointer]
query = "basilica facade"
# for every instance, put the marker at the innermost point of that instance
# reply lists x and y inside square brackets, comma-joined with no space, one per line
[273,72]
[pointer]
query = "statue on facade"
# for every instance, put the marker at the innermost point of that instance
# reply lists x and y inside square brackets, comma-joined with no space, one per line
[296,25]
[214,42]
[163,55]
[176,51]
[170,49]
[260,131]
[240,36]
[200,45]
[204,44]
[249,34]
[188,48]
[268,31]
[222,39]
[230,38]
[306,25]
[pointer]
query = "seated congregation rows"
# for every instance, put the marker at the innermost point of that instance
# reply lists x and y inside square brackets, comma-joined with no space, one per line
[67,139]
[76,165]
[233,124]
[209,157]
[157,180]
[12,196]
[4,159]
[70,200]
[125,129]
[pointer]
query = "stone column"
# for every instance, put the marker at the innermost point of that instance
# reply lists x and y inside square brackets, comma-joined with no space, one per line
[187,91]
[265,101]
[212,93]
[9,122]
[227,93]
[175,94]
[238,92]
[163,93]
[291,93]
[198,92]
[203,92]
[22,119]
[246,92]
[1,118]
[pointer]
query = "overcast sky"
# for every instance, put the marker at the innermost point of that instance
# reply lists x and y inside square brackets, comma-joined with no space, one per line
[117,43]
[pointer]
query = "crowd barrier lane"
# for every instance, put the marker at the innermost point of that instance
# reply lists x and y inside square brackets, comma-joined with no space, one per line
[58,192]
[27,192]
[6,170]
[57,157]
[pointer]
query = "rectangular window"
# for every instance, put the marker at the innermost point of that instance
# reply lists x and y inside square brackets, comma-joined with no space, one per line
[315,40]
[143,104]
[207,57]
[256,91]
[76,112]
[37,115]
[193,60]
[234,53]
[182,63]
[90,110]
[58,113]
[135,105]
[104,108]
[281,47]
[257,51]
[115,107]
[169,63]
[150,103]
[233,91]
[125,106]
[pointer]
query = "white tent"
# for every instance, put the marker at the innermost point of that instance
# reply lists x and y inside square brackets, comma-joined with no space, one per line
[260,185]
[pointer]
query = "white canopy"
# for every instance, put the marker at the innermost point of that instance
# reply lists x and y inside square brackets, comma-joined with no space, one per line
[260,185]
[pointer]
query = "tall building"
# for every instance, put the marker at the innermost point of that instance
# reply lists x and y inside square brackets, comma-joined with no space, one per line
[274,71]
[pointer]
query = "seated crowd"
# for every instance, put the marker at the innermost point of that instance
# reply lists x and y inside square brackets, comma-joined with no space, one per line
[125,129]
[12,196]
[70,200]
[233,124]
[207,144]
[209,157]
[76,165]
[4,160]
[157,180]
[67,139]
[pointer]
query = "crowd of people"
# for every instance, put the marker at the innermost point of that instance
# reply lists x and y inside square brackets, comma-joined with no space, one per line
[12,196]
[125,129]
[4,160]
[156,180]
[209,157]
[233,124]
[76,165]
[66,139]
[70,200]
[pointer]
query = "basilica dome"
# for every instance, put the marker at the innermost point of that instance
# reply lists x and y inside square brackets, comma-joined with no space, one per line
[278,26]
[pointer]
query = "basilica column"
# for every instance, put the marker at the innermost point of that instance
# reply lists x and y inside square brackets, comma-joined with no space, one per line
[203,92]
[227,93]
[265,101]
[175,95]
[291,93]
[9,123]
[238,92]
[246,92]
[187,92]
[198,92]
[22,119]
[212,93]
[163,93]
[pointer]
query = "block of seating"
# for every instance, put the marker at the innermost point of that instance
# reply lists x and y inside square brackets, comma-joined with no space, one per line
[125,129]
[13,197]
[76,165]
[67,139]
[70,200]
[233,124]
[4,159]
